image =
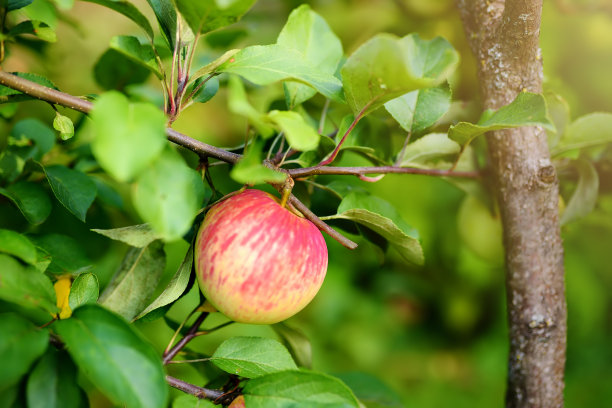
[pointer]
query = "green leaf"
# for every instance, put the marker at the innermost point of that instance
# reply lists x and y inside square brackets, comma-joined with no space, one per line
[175,288]
[584,198]
[128,136]
[528,109]
[64,125]
[265,64]
[168,195]
[72,188]
[250,170]
[67,254]
[128,10]
[382,218]
[239,104]
[207,91]
[53,383]
[559,112]
[17,4]
[165,12]
[589,130]
[431,146]
[35,28]
[371,391]
[308,33]
[386,67]
[17,245]
[191,401]
[25,286]
[138,236]
[129,290]
[21,343]
[252,357]
[114,357]
[205,16]
[418,110]
[36,131]
[296,342]
[116,71]
[139,53]
[302,388]
[298,133]
[85,289]
[31,199]
[212,67]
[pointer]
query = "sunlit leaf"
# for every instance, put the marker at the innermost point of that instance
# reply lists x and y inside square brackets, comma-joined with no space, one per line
[587,131]
[135,235]
[308,33]
[252,357]
[298,388]
[63,124]
[418,110]
[382,218]
[386,67]
[250,170]
[431,146]
[528,109]
[265,64]
[298,133]
[205,16]
[128,136]
[168,194]
[239,104]
[35,28]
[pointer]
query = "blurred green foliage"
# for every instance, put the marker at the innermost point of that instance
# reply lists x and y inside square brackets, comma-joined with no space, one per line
[435,333]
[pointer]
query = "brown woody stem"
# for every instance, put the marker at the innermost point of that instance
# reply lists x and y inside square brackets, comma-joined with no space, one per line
[504,36]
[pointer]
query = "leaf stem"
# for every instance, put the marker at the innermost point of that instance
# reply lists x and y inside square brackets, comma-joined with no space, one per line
[359,116]
[191,334]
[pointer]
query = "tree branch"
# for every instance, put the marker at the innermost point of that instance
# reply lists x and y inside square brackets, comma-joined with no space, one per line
[216,396]
[361,171]
[504,37]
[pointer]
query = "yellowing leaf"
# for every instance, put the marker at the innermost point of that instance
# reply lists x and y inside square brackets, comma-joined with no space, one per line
[62,291]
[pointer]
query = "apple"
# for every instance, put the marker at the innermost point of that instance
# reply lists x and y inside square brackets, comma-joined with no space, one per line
[257,261]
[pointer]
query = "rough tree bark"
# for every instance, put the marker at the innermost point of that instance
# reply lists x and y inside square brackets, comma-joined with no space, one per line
[504,36]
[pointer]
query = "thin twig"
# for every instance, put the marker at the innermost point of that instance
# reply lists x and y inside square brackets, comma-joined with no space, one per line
[347,243]
[199,392]
[191,334]
[362,171]
[359,116]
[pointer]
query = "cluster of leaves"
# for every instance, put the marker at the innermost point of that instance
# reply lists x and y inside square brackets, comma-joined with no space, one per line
[45,276]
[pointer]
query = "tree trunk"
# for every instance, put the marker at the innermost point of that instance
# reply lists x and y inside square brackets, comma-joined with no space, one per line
[504,36]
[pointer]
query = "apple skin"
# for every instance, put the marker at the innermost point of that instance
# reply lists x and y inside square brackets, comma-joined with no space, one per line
[258,262]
